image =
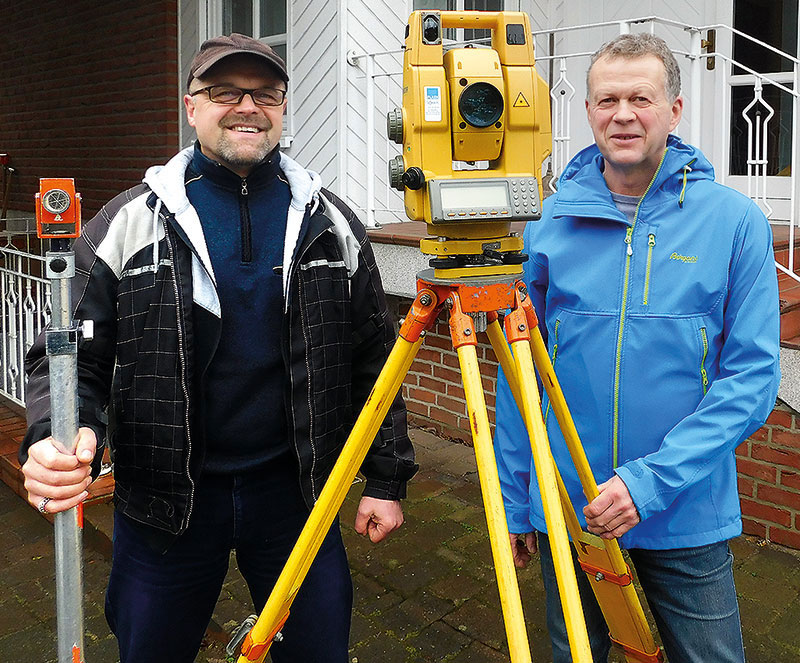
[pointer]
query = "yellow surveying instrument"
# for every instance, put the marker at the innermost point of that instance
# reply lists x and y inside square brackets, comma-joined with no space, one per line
[474,129]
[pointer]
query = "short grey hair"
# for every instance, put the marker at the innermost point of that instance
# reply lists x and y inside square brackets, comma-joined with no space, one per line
[641,45]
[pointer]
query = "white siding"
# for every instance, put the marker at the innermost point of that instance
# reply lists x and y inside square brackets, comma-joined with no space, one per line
[313,59]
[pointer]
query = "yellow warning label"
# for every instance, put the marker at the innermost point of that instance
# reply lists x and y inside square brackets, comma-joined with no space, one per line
[521,101]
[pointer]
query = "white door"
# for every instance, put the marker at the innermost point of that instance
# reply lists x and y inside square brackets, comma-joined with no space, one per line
[762,111]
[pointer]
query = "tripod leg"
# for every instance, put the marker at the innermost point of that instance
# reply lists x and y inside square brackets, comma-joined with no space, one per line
[463,335]
[516,328]
[276,610]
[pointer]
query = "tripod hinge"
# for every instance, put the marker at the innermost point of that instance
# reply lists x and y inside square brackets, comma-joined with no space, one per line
[604,574]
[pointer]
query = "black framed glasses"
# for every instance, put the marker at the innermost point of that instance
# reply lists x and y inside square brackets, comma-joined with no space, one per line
[231,96]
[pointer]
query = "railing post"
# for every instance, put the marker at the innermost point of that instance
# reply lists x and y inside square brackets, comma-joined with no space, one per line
[695,88]
[370,75]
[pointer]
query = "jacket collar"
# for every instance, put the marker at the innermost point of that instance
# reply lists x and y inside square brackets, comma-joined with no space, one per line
[582,189]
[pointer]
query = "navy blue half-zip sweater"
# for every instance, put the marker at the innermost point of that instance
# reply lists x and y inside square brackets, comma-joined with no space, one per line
[244,222]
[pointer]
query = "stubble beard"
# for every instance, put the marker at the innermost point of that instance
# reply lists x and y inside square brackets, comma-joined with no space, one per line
[239,155]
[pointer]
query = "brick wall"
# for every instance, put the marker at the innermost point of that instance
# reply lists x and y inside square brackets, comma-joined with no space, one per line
[769,479]
[768,462]
[89,91]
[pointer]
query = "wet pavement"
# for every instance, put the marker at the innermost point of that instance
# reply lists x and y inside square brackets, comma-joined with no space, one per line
[427,594]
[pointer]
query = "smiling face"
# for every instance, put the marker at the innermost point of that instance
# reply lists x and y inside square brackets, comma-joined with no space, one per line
[240,136]
[631,117]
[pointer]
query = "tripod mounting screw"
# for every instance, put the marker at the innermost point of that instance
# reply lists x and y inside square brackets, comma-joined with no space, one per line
[599,576]
[467,332]
[425,300]
[521,327]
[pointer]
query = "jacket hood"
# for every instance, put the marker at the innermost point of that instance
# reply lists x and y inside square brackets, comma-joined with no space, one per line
[681,163]
[167,182]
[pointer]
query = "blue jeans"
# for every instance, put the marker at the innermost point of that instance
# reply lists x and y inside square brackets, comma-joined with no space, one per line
[159,605]
[690,592]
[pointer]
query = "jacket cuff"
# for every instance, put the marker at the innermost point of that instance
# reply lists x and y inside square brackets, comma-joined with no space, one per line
[640,483]
[385,490]
[518,520]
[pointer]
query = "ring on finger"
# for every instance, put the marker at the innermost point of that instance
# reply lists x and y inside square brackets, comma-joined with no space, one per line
[43,504]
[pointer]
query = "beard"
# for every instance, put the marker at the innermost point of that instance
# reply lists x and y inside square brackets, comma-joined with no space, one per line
[243,155]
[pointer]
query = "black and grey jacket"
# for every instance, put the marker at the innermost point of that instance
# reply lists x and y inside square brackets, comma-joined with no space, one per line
[145,278]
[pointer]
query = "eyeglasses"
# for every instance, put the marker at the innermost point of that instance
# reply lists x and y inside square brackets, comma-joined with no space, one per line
[231,96]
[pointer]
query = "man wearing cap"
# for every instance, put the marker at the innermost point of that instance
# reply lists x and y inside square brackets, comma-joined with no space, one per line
[240,323]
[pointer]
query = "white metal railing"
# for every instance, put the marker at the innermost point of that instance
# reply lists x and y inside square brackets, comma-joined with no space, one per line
[382,71]
[24,309]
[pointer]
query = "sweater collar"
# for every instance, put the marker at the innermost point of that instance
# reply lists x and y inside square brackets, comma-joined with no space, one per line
[261,174]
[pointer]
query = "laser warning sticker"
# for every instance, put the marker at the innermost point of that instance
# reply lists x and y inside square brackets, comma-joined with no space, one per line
[521,101]
[433,104]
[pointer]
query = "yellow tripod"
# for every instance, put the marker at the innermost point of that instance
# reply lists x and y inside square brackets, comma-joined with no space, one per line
[471,300]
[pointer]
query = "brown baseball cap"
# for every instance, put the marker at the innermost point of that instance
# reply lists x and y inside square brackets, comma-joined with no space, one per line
[213,50]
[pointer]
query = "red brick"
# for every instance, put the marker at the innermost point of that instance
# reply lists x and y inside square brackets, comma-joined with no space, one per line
[757,470]
[450,360]
[746,486]
[778,496]
[766,512]
[786,438]
[418,408]
[777,456]
[448,418]
[433,385]
[754,528]
[780,418]
[790,538]
[447,374]
[435,341]
[761,435]
[743,450]
[425,354]
[451,404]
[456,391]
[422,395]
[790,480]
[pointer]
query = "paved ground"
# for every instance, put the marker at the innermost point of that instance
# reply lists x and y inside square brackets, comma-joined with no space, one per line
[426,595]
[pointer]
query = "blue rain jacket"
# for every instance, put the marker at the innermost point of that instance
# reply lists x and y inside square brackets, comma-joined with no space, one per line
[664,334]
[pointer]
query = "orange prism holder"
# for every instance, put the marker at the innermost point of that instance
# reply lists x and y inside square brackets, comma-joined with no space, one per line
[58,209]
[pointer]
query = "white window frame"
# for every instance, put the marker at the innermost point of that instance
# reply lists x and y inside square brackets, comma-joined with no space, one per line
[211,25]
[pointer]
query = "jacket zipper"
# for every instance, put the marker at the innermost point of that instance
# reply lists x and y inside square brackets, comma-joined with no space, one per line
[552,363]
[246,229]
[651,242]
[703,373]
[184,388]
[292,271]
[620,332]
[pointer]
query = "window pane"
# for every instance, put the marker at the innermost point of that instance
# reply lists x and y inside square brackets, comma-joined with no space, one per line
[779,129]
[441,5]
[237,16]
[771,21]
[280,49]
[273,17]
[481,5]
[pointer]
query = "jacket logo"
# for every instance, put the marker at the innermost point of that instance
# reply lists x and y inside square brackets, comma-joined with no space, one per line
[678,256]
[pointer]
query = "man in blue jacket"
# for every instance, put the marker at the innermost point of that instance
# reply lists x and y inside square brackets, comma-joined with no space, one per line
[656,291]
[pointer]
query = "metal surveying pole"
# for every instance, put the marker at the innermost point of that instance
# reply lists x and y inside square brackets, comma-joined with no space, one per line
[55,199]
